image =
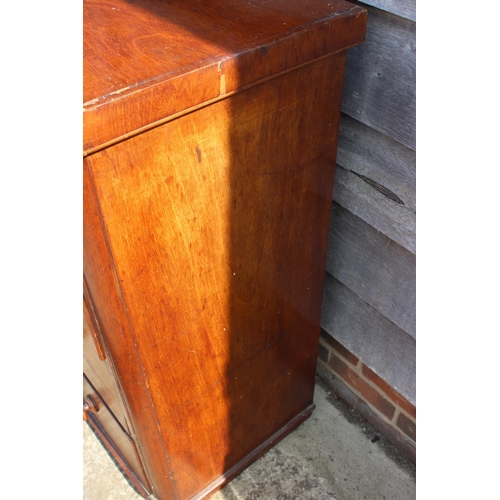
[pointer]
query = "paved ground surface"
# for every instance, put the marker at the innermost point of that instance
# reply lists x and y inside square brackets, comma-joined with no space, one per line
[335,455]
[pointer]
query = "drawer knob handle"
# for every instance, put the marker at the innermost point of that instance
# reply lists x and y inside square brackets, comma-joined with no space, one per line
[89,404]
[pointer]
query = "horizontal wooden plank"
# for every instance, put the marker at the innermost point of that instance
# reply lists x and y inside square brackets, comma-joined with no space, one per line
[379,158]
[384,212]
[378,342]
[379,85]
[378,270]
[402,8]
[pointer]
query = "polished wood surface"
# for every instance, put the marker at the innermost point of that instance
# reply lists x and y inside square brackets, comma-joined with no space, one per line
[205,231]
[146,60]
[104,289]
[100,373]
[218,225]
[92,324]
[255,454]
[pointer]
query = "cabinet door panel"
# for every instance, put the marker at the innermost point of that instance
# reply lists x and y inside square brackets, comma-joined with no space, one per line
[98,371]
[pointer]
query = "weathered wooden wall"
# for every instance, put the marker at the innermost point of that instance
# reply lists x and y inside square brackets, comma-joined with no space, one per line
[369,299]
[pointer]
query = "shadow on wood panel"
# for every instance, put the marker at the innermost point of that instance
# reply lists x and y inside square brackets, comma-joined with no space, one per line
[237,200]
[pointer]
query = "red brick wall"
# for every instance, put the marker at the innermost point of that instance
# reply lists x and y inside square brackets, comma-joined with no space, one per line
[397,415]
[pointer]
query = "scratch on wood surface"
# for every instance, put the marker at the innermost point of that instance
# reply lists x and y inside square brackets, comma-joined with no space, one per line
[97,99]
[278,172]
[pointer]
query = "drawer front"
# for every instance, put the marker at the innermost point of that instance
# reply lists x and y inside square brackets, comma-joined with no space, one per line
[98,370]
[113,436]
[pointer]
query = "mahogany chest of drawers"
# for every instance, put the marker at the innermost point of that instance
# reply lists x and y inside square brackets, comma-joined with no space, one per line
[210,133]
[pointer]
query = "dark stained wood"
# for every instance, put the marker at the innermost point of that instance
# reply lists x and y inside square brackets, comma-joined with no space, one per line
[380,86]
[210,143]
[256,453]
[179,54]
[379,343]
[387,280]
[106,296]
[98,371]
[92,325]
[228,316]
[117,441]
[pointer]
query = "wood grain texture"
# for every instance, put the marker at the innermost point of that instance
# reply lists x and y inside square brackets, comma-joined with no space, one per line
[106,295]
[179,54]
[90,323]
[372,204]
[380,85]
[100,375]
[387,349]
[210,132]
[203,216]
[255,454]
[377,269]
[402,8]
[375,156]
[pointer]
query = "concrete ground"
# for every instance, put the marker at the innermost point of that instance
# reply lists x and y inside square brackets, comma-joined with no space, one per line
[335,454]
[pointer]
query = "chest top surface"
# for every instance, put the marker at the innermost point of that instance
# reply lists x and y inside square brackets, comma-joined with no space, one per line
[175,54]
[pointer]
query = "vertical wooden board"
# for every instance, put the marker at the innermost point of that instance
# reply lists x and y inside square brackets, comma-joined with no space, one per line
[204,215]
[379,158]
[101,376]
[165,209]
[385,213]
[380,77]
[377,269]
[402,8]
[380,344]
[105,293]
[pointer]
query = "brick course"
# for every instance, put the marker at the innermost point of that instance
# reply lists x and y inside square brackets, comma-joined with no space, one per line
[337,346]
[354,380]
[323,353]
[396,415]
[407,426]
[395,396]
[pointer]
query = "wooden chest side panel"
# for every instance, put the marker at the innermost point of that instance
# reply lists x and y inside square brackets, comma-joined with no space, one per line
[218,224]
[106,296]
